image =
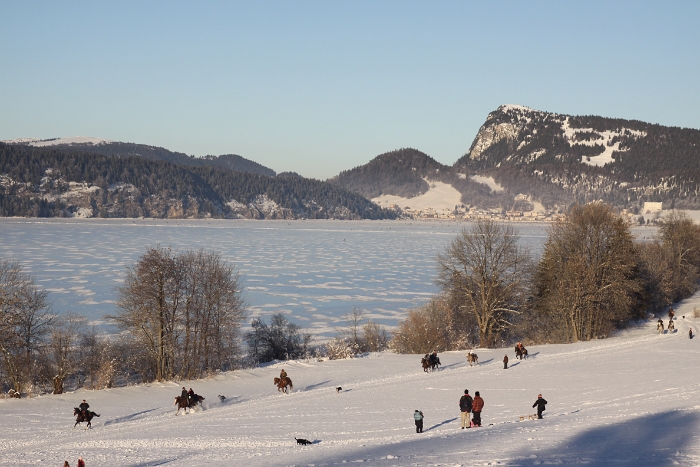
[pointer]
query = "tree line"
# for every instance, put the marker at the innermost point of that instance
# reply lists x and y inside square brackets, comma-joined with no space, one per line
[181,313]
[591,280]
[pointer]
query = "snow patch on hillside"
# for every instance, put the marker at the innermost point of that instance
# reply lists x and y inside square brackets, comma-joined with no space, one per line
[57,141]
[604,138]
[488,181]
[439,196]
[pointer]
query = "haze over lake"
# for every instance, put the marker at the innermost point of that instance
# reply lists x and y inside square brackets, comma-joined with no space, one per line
[313,271]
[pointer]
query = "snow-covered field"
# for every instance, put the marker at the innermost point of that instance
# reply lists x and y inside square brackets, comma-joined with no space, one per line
[439,197]
[633,399]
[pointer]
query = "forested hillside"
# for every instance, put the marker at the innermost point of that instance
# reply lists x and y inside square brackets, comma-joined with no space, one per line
[55,182]
[560,159]
[227,161]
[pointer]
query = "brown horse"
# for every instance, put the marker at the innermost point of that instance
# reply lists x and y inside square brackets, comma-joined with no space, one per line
[282,384]
[428,365]
[84,418]
[520,352]
[185,403]
[472,358]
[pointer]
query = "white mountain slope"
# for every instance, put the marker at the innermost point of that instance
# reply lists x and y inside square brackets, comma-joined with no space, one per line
[630,400]
[58,141]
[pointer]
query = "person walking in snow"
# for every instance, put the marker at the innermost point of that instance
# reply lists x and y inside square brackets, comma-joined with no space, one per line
[690,333]
[540,403]
[477,407]
[505,362]
[418,418]
[465,407]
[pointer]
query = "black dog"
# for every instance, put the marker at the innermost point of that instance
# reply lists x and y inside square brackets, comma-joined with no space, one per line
[302,441]
[222,398]
[338,389]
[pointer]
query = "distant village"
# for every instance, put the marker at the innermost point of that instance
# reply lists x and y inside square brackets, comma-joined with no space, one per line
[650,212]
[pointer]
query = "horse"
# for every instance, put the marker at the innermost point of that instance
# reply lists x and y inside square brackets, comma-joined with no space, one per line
[428,365]
[520,352]
[283,383]
[84,418]
[185,403]
[472,358]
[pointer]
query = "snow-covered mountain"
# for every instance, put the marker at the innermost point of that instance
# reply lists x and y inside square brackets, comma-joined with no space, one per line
[631,400]
[559,158]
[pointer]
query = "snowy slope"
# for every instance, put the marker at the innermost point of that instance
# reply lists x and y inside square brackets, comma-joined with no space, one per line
[58,141]
[630,400]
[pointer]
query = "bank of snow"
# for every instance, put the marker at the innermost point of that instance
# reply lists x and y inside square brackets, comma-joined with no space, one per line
[630,400]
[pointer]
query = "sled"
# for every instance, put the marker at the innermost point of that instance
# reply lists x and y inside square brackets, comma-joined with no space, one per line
[528,417]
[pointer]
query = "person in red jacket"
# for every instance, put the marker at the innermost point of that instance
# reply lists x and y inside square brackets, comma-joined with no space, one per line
[477,406]
[81,462]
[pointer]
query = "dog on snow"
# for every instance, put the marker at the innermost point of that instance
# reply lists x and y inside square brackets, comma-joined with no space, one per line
[302,441]
[222,398]
[338,389]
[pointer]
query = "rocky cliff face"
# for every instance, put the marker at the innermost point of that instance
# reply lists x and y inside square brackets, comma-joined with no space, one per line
[559,159]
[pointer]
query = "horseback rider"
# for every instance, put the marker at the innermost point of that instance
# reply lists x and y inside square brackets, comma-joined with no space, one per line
[184,395]
[283,375]
[660,326]
[192,397]
[434,360]
[84,406]
[671,326]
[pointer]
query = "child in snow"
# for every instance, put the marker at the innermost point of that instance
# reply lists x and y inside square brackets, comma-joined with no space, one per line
[505,362]
[540,403]
[418,417]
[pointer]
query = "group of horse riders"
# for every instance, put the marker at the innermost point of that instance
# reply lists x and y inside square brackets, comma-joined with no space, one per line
[189,396]
[431,360]
[660,323]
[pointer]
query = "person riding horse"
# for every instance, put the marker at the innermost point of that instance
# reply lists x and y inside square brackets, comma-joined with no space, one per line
[283,375]
[434,360]
[84,406]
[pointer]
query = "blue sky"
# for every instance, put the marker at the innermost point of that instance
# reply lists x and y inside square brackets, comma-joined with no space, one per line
[320,87]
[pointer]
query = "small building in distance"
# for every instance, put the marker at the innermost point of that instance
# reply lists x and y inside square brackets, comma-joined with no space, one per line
[651,207]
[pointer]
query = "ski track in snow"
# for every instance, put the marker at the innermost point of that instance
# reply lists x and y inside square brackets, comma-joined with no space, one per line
[633,399]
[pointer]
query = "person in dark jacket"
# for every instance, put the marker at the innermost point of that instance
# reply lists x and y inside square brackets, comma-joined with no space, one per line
[477,407]
[418,417]
[505,362]
[184,395]
[465,407]
[434,360]
[690,333]
[540,403]
[84,406]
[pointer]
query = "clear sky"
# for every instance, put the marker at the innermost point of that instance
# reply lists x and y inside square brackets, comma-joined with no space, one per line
[323,86]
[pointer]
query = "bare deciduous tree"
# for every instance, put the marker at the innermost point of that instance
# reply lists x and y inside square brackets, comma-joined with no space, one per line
[485,274]
[426,328]
[185,309]
[586,279]
[25,318]
[680,237]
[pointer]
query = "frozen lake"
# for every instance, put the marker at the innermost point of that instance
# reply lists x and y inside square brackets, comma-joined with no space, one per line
[313,271]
